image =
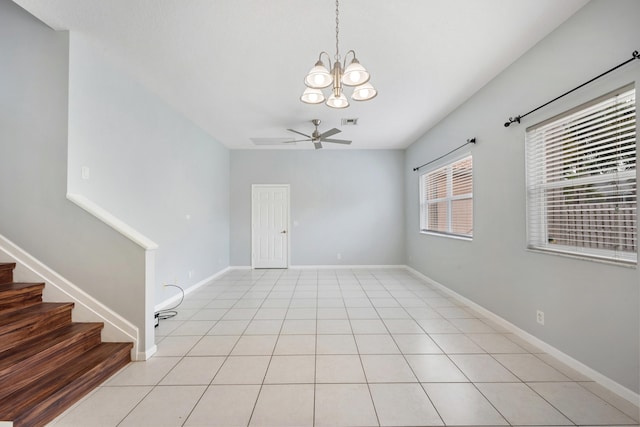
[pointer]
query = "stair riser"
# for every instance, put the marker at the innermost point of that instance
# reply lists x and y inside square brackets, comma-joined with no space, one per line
[6,272]
[38,325]
[30,370]
[21,300]
[46,410]
[6,276]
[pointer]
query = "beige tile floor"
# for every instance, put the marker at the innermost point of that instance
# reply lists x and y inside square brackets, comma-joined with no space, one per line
[376,347]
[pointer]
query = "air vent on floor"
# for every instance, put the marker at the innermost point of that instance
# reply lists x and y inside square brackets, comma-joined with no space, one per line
[349,122]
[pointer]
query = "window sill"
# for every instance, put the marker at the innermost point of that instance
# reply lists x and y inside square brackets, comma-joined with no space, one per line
[447,235]
[618,263]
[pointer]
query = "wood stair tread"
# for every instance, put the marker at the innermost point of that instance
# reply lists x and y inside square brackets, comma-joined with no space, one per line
[47,362]
[53,393]
[26,363]
[21,325]
[17,295]
[19,317]
[46,344]
[18,286]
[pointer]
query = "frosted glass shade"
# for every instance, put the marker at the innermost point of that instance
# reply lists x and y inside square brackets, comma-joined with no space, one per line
[364,92]
[312,96]
[355,74]
[318,77]
[338,101]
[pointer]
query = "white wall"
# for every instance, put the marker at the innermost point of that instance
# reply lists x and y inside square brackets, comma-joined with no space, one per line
[591,308]
[150,167]
[347,202]
[34,212]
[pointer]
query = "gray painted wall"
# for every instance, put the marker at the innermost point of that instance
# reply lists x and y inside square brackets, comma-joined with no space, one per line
[347,202]
[591,308]
[34,212]
[150,167]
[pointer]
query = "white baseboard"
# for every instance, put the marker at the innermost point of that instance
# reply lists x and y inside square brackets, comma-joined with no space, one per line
[596,376]
[323,267]
[57,288]
[344,267]
[144,355]
[166,303]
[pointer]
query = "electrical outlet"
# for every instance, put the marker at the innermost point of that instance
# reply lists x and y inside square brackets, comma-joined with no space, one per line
[339,256]
[190,274]
[540,317]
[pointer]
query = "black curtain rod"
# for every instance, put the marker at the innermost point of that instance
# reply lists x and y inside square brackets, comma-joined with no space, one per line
[469,141]
[517,119]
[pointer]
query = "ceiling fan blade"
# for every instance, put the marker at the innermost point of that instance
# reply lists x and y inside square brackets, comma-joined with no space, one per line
[299,133]
[329,133]
[317,145]
[270,141]
[338,141]
[296,140]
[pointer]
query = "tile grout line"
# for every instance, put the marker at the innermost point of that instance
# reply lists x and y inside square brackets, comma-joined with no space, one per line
[255,404]
[217,371]
[153,387]
[373,403]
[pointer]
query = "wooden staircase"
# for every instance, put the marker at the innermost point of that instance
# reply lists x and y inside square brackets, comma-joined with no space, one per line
[47,362]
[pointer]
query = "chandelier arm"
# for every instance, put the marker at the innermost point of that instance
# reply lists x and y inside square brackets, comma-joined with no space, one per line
[328,59]
[351,51]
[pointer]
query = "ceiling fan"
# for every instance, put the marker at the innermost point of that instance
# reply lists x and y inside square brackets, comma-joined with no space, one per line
[318,138]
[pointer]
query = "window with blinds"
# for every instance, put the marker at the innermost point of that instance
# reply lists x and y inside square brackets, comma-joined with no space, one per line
[446,199]
[581,180]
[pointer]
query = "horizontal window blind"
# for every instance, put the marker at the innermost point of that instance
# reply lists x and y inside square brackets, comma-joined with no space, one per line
[446,199]
[581,181]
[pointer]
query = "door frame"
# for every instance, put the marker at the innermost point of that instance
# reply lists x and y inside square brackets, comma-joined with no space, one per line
[287,187]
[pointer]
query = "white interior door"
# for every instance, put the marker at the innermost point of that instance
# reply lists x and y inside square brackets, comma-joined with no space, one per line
[270,226]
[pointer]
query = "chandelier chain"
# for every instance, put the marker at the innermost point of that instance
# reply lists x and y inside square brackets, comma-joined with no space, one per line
[337,57]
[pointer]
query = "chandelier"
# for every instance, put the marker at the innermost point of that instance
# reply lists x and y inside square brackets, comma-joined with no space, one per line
[353,74]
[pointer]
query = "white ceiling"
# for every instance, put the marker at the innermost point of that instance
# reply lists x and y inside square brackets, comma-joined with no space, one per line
[236,67]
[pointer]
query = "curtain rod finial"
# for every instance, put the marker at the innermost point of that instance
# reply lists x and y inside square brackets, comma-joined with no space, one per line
[515,119]
[471,140]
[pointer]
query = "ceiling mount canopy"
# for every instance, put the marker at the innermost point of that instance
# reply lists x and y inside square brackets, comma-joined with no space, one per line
[353,74]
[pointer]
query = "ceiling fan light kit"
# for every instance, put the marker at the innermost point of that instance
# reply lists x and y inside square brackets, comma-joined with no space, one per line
[354,74]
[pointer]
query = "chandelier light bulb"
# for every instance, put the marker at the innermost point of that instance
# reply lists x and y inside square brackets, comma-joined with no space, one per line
[364,92]
[355,74]
[312,96]
[318,77]
[338,101]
